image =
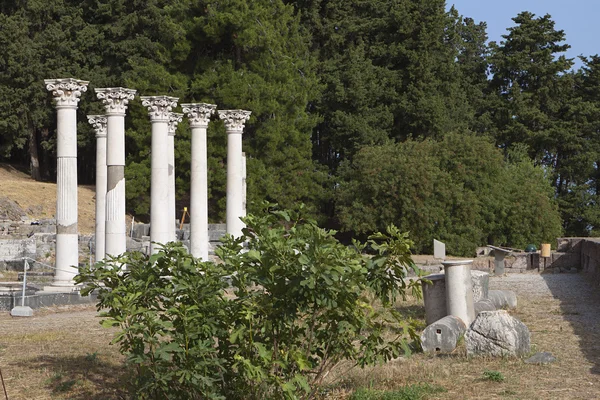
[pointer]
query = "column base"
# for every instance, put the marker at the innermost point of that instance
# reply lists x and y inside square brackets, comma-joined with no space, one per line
[62,287]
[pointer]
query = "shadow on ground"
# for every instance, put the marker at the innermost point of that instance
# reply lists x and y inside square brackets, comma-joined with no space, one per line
[580,307]
[82,378]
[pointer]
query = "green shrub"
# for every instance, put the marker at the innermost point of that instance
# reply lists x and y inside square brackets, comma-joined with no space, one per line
[268,322]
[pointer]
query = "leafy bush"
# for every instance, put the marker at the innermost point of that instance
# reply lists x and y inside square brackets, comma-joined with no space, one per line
[269,321]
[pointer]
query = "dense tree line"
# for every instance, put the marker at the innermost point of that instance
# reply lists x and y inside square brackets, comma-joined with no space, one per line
[368,112]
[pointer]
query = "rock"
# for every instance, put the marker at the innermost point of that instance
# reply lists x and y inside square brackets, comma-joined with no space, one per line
[503,299]
[497,333]
[541,358]
[434,297]
[481,284]
[443,335]
[484,305]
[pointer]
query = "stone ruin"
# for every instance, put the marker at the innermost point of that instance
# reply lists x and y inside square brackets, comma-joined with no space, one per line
[458,303]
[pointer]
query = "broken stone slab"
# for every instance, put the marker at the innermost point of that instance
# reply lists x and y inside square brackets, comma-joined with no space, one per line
[434,297]
[442,336]
[543,357]
[484,305]
[497,333]
[503,299]
[481,285]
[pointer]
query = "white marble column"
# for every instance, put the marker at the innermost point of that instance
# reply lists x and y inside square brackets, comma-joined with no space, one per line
[159,108]
[234,125]
[99,124]
[199,116]
[174,120]
[244,187]
[66,94]
[115,102]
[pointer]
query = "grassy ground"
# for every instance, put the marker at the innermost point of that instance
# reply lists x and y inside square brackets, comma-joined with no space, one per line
[63,353]
[38,199]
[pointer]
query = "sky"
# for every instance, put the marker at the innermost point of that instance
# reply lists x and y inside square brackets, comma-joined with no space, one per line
[578,18]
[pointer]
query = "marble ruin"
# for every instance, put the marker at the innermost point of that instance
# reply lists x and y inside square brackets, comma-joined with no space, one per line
[110,230]
[66,93]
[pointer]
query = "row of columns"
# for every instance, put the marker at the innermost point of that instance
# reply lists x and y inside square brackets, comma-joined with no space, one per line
[110,168]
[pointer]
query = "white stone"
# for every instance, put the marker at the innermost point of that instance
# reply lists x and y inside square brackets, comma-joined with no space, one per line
[234,124]
[115,102]
[66,94]
[497,333]
[98,122]
[481,285]
[503,299]
[21,311]
[442,335]
[434,297]
[159,108]
[199,116]
[174,120]
[439,250]
[459,289]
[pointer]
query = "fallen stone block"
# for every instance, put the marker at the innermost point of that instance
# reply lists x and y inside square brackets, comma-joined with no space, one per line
[541,358]
[497,333]
[503,299]
[484,305]
[443,335]
[481,285]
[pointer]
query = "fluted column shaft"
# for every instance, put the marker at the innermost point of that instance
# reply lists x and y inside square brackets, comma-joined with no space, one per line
[199,116]
[159,108]
[115,101]
[174,119]
[234,126]
[99,124]
[66,94]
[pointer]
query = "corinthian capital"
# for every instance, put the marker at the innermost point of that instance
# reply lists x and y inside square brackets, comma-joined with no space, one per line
[159,107]
[199,113]
[66,91]
[115,99]
[98,122]
[174,120]
[234,119]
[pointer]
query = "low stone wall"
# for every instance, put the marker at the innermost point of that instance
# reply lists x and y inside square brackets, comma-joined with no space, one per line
[590,257]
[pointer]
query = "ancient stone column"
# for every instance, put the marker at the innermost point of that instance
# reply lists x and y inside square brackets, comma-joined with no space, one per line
[199,116]
[66,94]
[244,187]
[174,120]
[159,109]
[234,124]
[459,290]
[115,102]
[99,124]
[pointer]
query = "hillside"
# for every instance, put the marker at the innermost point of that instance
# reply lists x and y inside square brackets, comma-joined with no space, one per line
[38,199]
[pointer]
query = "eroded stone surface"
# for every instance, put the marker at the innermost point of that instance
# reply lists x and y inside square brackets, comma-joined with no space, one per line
[497,333]
[503,299]
[443,335]
[541,358]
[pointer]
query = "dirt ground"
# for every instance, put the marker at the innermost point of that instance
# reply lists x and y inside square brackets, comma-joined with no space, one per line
[63,353]
[38,199]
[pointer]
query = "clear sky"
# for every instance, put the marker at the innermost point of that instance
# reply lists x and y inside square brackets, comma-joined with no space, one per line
[578,18]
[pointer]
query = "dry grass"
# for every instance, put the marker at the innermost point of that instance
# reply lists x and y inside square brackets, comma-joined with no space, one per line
[64,353]
[60,353]
[38,199]
[552,320]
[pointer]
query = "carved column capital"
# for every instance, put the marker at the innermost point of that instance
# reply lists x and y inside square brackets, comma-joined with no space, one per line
[234,119]
[199,113]
[98,122]
[174,120]
[159,107]
[66,91]
[115,99]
